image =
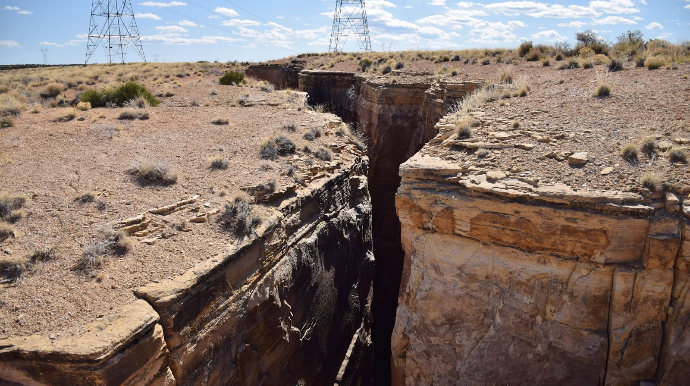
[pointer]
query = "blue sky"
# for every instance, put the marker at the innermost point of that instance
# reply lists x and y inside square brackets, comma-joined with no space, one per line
[268,29]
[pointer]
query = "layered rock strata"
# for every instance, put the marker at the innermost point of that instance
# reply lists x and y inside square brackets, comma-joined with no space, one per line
[282,77]
[511,282]
[288,305]
[397,115]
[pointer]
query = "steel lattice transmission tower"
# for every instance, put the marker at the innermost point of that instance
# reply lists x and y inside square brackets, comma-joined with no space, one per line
[117,32]
[350,15]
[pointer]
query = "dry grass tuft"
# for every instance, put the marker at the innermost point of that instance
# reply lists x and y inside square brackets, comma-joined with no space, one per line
[649,146]
[603,90]
[153,174]
[9,203]
[66,117]
[678,155]
[113,243]
[219,163]
[652,182]
[323,154]
[238,218]
[630,153]
[220,121]
[506,75]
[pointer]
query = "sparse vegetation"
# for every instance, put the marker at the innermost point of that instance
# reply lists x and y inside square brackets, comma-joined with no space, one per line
[652,182]
[603,90]
[52,90]
[9,203]
[506,75]
[153,174]
[6,122]
[323,154]
[220,121]
[219,162]
[11,105]
[615,65]
[630,153]
[654,62]
[83,106]
[66,117]
[132,114]
[118,96]
[43,255]
[13,267]
[231,78]
[569,65]
[85,197]
[290,127]
[649,146]
[312,134]
[464,129]
[237,217]
[482,153]
[678,155]
[112,243]
[277,146]
[6,232]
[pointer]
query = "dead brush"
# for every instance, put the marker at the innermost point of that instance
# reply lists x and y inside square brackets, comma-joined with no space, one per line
[238,218]
[112,243]
[219,163]
[12,268]
[153,174]
[9,203]
[66,117]
[678,155]
[6,232]
[630,153]
[649,146]
[506,75]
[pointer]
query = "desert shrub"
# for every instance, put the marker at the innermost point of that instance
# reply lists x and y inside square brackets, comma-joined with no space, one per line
[85,198]
[649,146]
[131,114]
[9,203]
[220,121]
[678,155]
[590,39]
[237,217]
[312,134]
[323,154]
[112,243]
[269,150]
[524,48]
[36,109]
[284,145]
[219,163]
[68,116]
[486,62]
[83,106]
[386,70]
[267,187]
[290,127]
[13,267]
[516,123]
[5,232]
[533,55]
[482,153]
[630,153]
[639,62]
[586,53]
[43,255]
[153,174]
[654,62]
[118,96]
[522,91]
[546,62]
[652,182]
[569,65]
[463,129]
[230,78]
[586,63]
[10,105]
[6,122]
[603,90]
[364,64]
[52,90]
[615,65]
[4,89]
[399,65]
[629,43]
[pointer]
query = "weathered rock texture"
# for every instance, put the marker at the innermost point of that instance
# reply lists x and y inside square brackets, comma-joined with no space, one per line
[397,114]
[280,76]
[510,283]
[290,305]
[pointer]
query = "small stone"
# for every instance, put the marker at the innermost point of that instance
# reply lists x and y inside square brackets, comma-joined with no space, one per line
[494,175]
[606,171]
[525,146]
[578,159]
[664,145]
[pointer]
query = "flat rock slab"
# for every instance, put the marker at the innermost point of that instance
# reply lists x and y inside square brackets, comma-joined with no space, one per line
[578,159]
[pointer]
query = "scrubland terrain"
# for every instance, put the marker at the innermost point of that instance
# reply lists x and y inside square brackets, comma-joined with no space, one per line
[77,177]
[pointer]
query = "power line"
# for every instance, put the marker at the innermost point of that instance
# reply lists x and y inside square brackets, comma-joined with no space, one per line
[352,17]
[44,51]
[118,31]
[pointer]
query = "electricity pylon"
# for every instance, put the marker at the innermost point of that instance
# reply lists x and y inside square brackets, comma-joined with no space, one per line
[44,51]
[350,15]
[117,31]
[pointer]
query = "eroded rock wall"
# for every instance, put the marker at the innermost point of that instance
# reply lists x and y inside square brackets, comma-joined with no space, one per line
[505,283]
[290,305]
[282,77]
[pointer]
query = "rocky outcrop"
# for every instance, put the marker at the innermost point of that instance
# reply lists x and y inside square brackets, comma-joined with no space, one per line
[288,305]
[334,90]
[281,76]
[507,282]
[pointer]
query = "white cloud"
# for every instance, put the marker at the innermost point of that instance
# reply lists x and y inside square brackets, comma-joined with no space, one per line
[572,24]
[151,16]
[437,2]
[613,20]
[9,44]
[495,32]
[465,4]
[280,17]
[157,4]
[687,6]
[187,23]
[654,25]
[179,40]
[238,22]
[19,10]
[549,36]
[171,29]
[226,12]
[665,35]
[44,43]
[643,2]
[558,11]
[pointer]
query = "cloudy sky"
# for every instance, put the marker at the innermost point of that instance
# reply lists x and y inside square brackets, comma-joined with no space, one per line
[266,29]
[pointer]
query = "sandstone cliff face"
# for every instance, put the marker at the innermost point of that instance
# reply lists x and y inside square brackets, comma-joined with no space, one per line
[507,283]
[280,76]
[290,305]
